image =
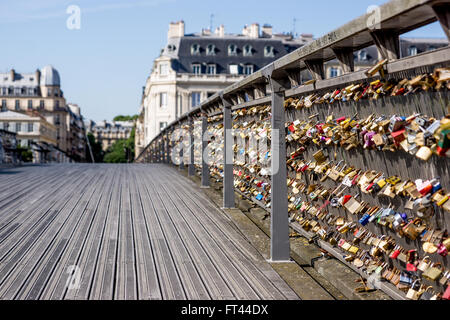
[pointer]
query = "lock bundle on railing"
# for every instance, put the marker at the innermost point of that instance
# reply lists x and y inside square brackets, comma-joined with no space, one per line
[358,162]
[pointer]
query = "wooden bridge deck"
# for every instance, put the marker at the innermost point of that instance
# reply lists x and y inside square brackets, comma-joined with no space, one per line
[81,231]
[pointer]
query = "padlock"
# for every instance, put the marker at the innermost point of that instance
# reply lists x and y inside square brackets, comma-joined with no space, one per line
[433,272]
[427,294]
[442,250]
[414,292]
[424,264]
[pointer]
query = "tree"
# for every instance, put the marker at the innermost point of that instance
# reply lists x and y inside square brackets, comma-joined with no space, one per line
[122,151]
[125,118]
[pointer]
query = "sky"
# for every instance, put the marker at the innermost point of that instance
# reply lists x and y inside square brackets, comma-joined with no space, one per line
[104,64]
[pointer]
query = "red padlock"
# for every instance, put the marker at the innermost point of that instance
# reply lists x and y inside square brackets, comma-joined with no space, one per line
[411,264]
[442,250]
[395,254]
[446,295]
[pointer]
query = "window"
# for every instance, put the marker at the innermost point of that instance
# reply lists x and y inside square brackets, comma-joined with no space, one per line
[30,127]
[362,55]
[248,69]
[49,92]
[31,91]
[196,68]
[210,94]
[195,49]
[171,48]
[211,50]
[232,50]
[57,119]
[41,103]
[17,105]
[269,52]
[57,103]
[334,72]
[211,69]
[163,69]
[412,51]
[4,105]
[30,104]
[431,48]
[18,127]
[4,91]
[234,69]
[195,99]
[248,50]
[163,99]
[162,125]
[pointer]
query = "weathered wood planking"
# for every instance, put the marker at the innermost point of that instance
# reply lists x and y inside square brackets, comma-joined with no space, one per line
[131,231]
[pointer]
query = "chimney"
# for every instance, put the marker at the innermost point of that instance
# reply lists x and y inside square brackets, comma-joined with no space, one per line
[245,31]
[220,31]
[176,29]
[38,76]
[254,30]
[206,32]
[12,74]
[267,31]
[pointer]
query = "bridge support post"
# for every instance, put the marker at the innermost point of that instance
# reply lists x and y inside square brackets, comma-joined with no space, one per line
[442,11]
[387,42]
[345,58]
[279,227]
[191,166]
[228,178]
[205,166]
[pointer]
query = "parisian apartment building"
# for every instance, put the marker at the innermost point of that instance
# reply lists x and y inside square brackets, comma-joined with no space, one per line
[40,93]
[107,133]
[192,67]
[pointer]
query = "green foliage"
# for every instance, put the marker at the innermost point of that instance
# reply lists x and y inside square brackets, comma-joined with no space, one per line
[96,149]
[125,118]
[122,151]
[25,154]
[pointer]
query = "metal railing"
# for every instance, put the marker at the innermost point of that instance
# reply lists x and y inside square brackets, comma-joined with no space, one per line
[280,80]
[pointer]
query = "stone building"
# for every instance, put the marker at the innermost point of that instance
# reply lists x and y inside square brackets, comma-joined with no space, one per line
[192,67]
[39,91]
[109,132]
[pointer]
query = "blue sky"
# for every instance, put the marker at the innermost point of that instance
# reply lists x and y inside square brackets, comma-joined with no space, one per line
[104,65]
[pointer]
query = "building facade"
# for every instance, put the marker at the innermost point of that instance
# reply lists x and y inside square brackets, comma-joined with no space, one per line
[109,132]
[8,147]
[34,131]
[192,67]
[41,92]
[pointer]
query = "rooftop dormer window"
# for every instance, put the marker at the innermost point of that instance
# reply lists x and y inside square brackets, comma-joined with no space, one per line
[196,68]
[211,50]
[269,52]
[412,51]
[232,50]
[195,49]
[248,50]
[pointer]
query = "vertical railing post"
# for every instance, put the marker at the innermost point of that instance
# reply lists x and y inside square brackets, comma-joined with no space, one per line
[163,149]
[279,227]
[228,178]
[205,138]
[191,166]
[181,150]
[159,150]
[168,147]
